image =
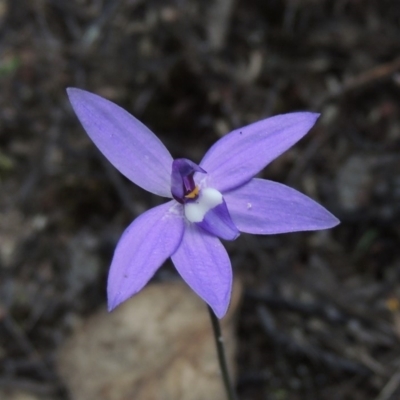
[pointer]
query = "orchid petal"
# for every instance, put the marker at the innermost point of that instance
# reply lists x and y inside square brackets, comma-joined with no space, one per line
[203,263]
[142,249]
[129,145]
[240,155]
[266,207]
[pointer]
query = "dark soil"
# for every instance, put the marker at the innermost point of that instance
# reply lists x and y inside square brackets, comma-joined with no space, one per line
[321,314]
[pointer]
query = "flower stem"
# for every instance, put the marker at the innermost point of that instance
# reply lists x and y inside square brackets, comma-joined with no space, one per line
[219,341]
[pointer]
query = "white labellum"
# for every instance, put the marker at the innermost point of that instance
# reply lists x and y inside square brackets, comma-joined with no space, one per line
[208,199]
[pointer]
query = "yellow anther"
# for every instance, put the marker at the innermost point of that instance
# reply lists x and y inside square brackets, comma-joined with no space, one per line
[194,193]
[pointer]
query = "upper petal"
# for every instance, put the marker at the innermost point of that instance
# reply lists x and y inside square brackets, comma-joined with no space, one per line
[267,207]
[142,249]
[241,154]
[129,145]
[203,263]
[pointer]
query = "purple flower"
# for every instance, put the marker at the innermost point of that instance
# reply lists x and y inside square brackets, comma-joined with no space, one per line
[214,200]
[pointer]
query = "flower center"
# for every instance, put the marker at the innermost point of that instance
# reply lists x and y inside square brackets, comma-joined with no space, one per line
[203,206]
[196,210]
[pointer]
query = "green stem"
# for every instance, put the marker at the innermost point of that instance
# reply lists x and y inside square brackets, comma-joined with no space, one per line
[219,341]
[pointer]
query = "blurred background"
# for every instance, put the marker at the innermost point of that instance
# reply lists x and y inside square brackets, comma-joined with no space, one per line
[320,312]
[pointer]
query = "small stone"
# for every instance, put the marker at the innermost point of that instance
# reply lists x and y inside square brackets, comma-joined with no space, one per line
[13,394]
[353,182]
[156,346]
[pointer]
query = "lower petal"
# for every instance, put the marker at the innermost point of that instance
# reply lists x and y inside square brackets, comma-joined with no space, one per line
[142,249]
[218,222]
[266,207]
[203,263]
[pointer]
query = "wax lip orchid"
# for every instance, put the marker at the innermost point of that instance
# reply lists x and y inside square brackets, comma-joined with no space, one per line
[217,199]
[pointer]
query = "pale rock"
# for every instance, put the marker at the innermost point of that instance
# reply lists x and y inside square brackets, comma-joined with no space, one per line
[353,182]
[16,394]
[156,346]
